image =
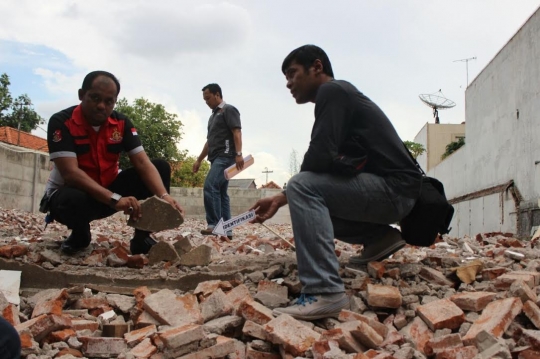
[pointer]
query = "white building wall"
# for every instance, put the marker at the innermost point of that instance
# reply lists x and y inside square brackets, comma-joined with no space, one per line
[422,138]
[501,145]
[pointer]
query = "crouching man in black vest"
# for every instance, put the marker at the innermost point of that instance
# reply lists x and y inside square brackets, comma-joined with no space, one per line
[85,143]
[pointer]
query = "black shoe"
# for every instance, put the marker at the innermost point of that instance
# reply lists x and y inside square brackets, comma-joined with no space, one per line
[141,245]
[76,242]
[389,244]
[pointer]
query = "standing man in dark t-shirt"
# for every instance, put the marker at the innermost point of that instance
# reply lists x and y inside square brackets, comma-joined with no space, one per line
[355,180]
[224,148]
[85,142]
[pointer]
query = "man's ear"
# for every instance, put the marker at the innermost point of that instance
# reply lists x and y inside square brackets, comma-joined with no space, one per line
[318,66]
[81,94]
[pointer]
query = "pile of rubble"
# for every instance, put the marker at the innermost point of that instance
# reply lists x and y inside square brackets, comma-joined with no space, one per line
[459,299]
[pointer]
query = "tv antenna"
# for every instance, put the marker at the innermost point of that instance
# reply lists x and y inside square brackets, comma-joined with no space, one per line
[267,172]
[437,101]
[466,61]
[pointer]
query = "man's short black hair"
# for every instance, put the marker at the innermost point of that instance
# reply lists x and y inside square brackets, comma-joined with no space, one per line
[89,79]
[213,89]
[306,56]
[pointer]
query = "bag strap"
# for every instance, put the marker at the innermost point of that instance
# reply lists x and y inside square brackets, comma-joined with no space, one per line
[415,161]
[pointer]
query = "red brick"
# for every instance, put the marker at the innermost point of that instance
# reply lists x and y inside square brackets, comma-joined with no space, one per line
[530,338]
[90,303]
[347,316]
[222,348]
[12,251]
[504,282]
[344,338]
[144,349]
[52,306]
[529,354]
[495,319]
[532,312]
[204,289]
[383,296]
[61,335]
[469,352]
[256,312]
[441,314]
[472,301]
[44,325]
[417,333]
[26,339]
[176,337]
[272,287]
[137,261]
[254,330]
[367,336]
[216,305]
[69,351]
[490,274]
[99,346]
[136,336]
[238,295]
[146,319]
[434,276]
[436,345]
[523,291]
[29,323]
[93,260]
[82,324]
[11,314]
[255,354]
[293,335]
[376,269]
[140,293]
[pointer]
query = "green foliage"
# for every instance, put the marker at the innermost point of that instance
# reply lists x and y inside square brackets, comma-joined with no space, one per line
[159,130]
[453,147]
[183,176]
[416,149]
[18,111]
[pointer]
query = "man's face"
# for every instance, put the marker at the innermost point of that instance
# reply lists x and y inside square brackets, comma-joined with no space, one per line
[98,102]
[211,100]
[302,84]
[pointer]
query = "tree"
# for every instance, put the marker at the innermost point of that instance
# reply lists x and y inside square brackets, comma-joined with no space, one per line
[416,149]
[18,113]
[183,176]
[159,130]
[293,163]
[453,147]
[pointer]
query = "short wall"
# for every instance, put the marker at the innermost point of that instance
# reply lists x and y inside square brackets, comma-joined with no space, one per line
[24,174]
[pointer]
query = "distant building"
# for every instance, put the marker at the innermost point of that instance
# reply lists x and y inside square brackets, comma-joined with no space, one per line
[23,139]
[435,137]
[248,183]
[271,185]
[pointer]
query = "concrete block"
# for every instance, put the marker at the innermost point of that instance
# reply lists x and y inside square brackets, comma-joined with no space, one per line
[254,330]
[199,256]
[523,291]
[226,325]
[157,215]
[223,347]
[532,312]
[10,282]
[170,309]
[237,295]
[143,350]
[434,276]
[123,303]
[162,251]
[182,245]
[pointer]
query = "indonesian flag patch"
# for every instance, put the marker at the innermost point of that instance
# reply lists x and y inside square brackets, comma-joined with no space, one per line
[57,136]
[134,131]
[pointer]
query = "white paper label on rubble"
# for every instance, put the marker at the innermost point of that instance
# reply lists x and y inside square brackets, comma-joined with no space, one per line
[10,282]
[223,226]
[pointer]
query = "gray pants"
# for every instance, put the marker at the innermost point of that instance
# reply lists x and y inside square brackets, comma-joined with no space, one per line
[325,206]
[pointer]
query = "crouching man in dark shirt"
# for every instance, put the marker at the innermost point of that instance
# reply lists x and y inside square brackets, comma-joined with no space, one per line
[355,180]
[85,143]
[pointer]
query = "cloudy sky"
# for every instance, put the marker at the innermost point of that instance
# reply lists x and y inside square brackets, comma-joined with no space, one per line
[166,51]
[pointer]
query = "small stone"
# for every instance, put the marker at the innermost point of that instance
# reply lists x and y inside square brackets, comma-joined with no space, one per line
[162,251]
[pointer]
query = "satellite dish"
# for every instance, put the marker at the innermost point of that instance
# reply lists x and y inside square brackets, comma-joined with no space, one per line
[437,101]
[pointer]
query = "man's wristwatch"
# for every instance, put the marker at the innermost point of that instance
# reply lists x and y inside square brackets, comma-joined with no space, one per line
[239,153]
[114,200]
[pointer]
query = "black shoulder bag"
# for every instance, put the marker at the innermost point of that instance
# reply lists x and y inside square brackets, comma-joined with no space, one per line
[430,216]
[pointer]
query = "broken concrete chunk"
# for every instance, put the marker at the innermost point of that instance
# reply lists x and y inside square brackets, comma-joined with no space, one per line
[157,215]
[170,309]
[200,256]
[162,251]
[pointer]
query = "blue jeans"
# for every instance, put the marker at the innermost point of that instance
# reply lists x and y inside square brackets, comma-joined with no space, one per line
[325,206]
[216,200]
